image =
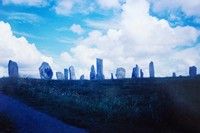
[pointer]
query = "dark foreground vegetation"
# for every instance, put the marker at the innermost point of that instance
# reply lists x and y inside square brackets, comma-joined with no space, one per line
[140,105]
[6,125]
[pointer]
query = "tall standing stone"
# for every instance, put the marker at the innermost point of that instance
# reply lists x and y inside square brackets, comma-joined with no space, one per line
[45,71]
[72,73]
[92,73]
[59,75]
[193,71]
[151,70]
[135,73]
[141,74]
[99,75]
[13,69]
[66,74]
[120,73]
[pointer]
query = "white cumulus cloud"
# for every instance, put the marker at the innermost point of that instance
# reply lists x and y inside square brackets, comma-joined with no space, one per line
[28,57]
[139,39]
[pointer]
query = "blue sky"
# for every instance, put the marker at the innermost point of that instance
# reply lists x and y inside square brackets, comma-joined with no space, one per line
[40,25]
[122,32]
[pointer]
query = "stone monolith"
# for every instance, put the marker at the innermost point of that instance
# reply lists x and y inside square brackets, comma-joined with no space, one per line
[60,76]
[99,63]
[92,73]
[72,73]
[135,72]
[45,71]
[66,73]
[120,73]
[151,70]
[13,69]
[192,71]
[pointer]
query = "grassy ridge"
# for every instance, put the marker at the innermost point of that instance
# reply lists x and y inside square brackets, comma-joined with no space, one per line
[160,104]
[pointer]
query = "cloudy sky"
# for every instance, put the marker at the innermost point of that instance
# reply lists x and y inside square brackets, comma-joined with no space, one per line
[122,32]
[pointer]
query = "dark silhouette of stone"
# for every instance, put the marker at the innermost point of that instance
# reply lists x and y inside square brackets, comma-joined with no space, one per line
[141,74]
[151,70]
[66,74]
[59,75]
[120,73]
[135,72]
[13,69]
[193,71]
[82,77]
[92,73]
[173,74]
[45,71]
[72,73]
[112,77]
[99,64]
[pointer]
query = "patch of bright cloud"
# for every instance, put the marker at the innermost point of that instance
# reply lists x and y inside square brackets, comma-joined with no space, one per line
[107,4]
[68,7]
[102,24]
[76,28]
[64,7]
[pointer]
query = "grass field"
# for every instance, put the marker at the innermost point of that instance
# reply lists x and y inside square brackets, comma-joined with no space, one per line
[6,125]
[142,105]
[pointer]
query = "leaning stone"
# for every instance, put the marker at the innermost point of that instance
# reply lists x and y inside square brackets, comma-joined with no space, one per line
[45,71]
[13,69]
[120,73]
[59,75]
[82,77]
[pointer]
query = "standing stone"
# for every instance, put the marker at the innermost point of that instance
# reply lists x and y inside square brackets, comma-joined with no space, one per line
[99,75]
[45,71]
[141,73]
[151,70]
[135,73]
[92,73]
[173,74]
[193,71]
[13,69]
[72,73]
[82,77]
[120,73]
[112,77]
[66,74]
[59,75]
